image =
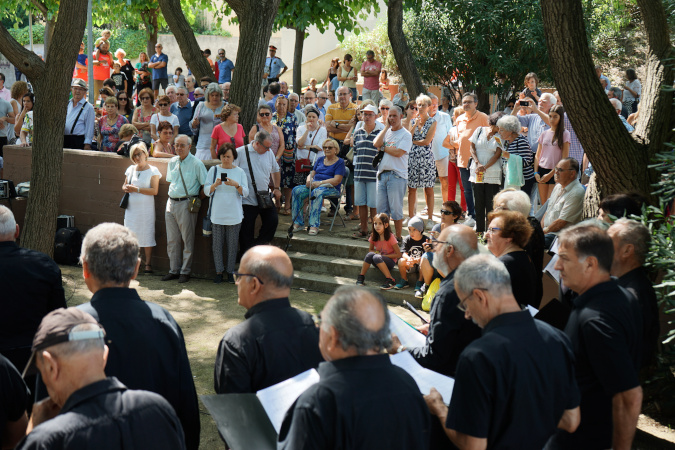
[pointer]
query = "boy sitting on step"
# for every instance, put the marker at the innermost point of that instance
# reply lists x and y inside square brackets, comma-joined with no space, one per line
[413,249]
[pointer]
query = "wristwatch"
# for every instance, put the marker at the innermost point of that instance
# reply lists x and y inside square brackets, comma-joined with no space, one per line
[138,189]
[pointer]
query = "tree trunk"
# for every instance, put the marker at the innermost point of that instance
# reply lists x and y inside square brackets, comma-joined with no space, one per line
[399,45]
[185,37]
[150,19]
[51,81]
[48,35]
[297,61]
[483,100]
[619,159]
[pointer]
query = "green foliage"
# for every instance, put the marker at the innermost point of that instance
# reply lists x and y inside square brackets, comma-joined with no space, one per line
[22,34]
[376,40]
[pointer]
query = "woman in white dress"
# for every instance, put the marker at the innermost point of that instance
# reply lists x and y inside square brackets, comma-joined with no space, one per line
[207,116]
[226,184]
[141,181]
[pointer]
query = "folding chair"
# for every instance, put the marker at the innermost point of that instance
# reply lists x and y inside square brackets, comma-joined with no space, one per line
[343,188]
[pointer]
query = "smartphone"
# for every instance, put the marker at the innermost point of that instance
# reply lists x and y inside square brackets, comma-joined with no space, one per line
[223,177]
[524,103]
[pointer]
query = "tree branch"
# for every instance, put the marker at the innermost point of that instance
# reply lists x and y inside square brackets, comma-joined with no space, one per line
[42,7]
[28,62]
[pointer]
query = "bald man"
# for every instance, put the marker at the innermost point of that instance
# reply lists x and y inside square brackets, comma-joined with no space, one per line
[362,401]
[276,341]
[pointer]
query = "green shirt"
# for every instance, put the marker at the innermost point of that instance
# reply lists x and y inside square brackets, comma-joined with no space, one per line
[194,173]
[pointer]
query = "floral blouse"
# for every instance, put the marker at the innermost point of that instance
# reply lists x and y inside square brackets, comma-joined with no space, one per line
[110,134]
[289,127]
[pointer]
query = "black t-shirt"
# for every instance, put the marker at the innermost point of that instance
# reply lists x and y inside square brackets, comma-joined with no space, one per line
[605,328]
[413,247]
[449,331]
[13,394]
[129,72]
[637,283]
[119,79]
[513,384]
[523,277]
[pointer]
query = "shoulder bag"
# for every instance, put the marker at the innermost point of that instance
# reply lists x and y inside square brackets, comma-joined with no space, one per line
[305,161]
[194,203]
[125,198]
[264,198]
[207,226]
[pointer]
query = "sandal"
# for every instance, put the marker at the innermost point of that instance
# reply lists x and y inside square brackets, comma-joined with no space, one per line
[360,234]
[353,216]
[297,227]
[313,231]
[285,212]
[148,270]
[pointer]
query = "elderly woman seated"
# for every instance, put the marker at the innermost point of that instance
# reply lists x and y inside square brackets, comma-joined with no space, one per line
[324,180]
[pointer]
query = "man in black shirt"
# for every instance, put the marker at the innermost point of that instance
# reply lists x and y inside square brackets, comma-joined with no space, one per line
[13,400]
[448,331]
[31,286]
[515,385]
[362,400]
[85,409]
[276,342]
[605,328]
[631,244]
[147,349]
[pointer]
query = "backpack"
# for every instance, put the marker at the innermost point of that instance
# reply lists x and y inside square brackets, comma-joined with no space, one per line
[67,246]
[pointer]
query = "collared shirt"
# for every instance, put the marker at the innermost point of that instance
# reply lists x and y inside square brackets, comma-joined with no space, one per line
[605,328]
[443,125]
[5,110]
[194,173]
[361,402]
[341,115]
[106,415]
[576,150]
[465,129]
[6,94]
[276,342]
[609,83]
[402,140]
[449,331]
[514,383]
[273,66]
[225,70]
[263,167]
[637,283]
[85,123]
[147,351]
[565,203]
[184,114]
[625,123]
[535,127]
[364,153]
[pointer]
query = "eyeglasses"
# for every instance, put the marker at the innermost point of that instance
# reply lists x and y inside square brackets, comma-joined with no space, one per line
[180,95]
[317,320]
[435,243]
[204,86]
[461,305]
[344,94]
[413,108]
[264,114]
[382,108]
[162,104]
[558,170]
[122,98]
[445,212]
[421,106]
[492,230]
[145,98]
[326,147]
[323,98]
[177,145]
[221,54]
[239,275]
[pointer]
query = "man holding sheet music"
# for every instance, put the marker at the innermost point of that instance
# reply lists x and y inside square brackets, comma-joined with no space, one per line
[362,400]
[276,342]
[448,331]
[515,385]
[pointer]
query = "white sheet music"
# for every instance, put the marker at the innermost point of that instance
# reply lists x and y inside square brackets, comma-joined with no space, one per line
[408,336]
[533,311]
[278,398]
[425,378]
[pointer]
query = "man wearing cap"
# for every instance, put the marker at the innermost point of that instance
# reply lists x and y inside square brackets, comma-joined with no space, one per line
[85,409]
[146,348]
[225,67]
[80,117]
[158,63]
[274,67]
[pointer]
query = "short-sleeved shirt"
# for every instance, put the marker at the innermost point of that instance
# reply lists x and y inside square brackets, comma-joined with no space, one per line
[485,150]
[5,109]
[119,79]
[160,73]
[373,82]
[324,172]
[263,167]
[565,203]
[413,248]
[102,69]
[13,394]
[637,283]
[225,71]
[172,119]
[342,115]
[634,85]
[551,153]
[364,153]
[194,173]
[605,328]
[81,73]
[385,247]
[184,114]
[361,402]
[315,137]
[535,127]
[513,384]
[273,66]
[402,140]
[466,126]
[443,125]
[222,137]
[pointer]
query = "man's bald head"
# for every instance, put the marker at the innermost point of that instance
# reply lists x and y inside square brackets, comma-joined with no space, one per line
[462,238]
[271,264]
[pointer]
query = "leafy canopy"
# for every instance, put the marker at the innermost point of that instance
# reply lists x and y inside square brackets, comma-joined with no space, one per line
[343,15]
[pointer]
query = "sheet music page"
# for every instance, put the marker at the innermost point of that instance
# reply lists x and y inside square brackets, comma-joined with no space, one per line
[550,269]
[533,311]
[277,398]
[425,378]
[408,336]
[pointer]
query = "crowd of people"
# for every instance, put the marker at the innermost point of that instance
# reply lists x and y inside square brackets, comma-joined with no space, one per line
[564,389]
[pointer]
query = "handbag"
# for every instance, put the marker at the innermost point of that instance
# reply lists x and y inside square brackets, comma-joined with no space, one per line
[207,226]
[125,198]
[264,198]
[194,203]
[305,161]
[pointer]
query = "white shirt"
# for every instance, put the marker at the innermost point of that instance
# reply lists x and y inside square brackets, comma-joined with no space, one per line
[401,139]
[485,150]
[565,203]
[443,125]
[263,167]
[313,138]
[157,118]
[85,124]
[227,203]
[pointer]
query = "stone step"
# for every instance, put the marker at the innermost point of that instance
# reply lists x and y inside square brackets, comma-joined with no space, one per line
[329,283]
[323,244]
[333,265]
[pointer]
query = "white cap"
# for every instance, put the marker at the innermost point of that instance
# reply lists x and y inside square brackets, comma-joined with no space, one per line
[370,108]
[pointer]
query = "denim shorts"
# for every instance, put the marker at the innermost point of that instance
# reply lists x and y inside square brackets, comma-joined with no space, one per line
[365,193]
[391,188]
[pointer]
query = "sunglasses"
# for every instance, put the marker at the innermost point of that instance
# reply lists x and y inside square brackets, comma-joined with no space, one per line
[122,98]
[323,98]
[445,212]
[145,98]
[265,114]
[163,104]
[384,109]
[326,147]
[413,108]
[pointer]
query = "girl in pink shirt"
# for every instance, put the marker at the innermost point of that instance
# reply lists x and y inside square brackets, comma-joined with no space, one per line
[554,145]
[383,252]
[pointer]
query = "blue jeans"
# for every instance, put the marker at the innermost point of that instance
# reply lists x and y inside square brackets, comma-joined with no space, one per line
[468,191]
[391,189]
[300,193]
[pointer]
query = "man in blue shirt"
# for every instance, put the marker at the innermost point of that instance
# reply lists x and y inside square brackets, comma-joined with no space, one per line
[225,67]
[183,110]
[273,66]
[158,64]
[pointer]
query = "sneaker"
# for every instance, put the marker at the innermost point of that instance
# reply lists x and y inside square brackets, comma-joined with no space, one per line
[170,276]
[402,284]
[405,221]
[360,280]
[421,290]
[230,278]
[389,284]
[469,221]
[218,279]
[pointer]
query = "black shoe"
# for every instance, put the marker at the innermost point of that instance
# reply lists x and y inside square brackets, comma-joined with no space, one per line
[230,278]
[184,278]
[170,276]
[218,279]
[389,284]
[360,280]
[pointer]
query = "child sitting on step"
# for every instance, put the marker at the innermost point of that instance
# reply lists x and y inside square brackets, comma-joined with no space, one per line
[383,252]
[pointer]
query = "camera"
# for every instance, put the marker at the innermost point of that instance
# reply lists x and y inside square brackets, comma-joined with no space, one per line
[524,103]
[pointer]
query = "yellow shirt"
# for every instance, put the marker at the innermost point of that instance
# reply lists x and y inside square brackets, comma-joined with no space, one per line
[465,128]
[342,116]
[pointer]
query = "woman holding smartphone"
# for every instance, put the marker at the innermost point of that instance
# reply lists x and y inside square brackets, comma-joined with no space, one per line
[226,184]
